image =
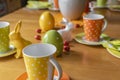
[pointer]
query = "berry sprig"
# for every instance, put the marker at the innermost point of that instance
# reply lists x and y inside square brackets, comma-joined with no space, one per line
[38,37]
[66,46]
[77,26]
[38,30]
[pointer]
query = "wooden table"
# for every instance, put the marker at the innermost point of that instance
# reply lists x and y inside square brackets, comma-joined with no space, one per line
[83,63]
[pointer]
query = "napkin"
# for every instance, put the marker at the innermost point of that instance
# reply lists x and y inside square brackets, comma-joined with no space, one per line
[115,45]
[115,6]
[38,4]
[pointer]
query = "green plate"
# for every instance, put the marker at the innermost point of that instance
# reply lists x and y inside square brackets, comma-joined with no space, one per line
[10,52]
[80,39]
[114,52]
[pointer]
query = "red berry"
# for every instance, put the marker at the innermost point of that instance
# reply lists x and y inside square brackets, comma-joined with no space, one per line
[77,26]
[67,48]
[38,30]
[37,37]
[66,43]
[63,27]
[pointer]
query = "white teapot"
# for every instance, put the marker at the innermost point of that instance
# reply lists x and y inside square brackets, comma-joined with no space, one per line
[72,9]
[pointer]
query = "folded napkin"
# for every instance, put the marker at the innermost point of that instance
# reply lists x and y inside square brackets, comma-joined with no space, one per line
[115,45]
[38,4]
[115,6]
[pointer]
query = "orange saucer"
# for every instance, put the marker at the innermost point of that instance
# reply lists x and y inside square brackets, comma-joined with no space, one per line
[24,76]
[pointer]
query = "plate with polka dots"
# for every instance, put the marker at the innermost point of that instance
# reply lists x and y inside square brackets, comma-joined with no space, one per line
[11,51]
[80,39]
[24,76]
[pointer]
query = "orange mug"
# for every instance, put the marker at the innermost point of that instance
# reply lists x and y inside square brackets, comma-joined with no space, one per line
[94,25]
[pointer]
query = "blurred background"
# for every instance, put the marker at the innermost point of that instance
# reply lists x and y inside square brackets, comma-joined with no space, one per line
[8,6]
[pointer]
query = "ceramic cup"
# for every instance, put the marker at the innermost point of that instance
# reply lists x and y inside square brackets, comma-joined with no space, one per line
[38,59]
[94,25]
[101,3]
[4,36]
[54,4]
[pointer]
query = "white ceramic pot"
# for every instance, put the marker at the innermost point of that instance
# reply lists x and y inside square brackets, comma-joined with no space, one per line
[72,9]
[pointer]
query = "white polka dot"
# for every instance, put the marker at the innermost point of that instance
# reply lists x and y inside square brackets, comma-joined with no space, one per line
[28,60]
[37,78]
[39,72]
[35,58]
[57,38]
[44,75]
[42,65]
[33,65]
[35,69]
[34,75]
[39,62]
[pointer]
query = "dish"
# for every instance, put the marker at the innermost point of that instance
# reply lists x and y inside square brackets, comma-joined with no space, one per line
[80,38]
[114,52]
[53,9]
[113,9]
[23,76]
[10,52]
[92,4]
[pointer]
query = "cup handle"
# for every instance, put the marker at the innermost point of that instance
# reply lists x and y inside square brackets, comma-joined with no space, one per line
[105,25]
[57,66]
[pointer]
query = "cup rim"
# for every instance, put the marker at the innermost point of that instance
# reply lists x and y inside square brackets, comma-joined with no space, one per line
[93,16]
[39,47]
[4,24]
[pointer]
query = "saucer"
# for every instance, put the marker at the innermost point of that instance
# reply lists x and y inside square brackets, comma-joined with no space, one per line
[9,52]
[80,39]
[114,7]
[93,4]
[53,9]
[114,52]
[24,76]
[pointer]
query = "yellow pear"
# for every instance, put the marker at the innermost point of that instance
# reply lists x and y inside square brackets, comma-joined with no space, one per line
[46,21]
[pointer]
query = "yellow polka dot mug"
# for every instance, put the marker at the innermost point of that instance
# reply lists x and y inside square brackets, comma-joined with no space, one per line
[94,25]
[39,59]
[4,38]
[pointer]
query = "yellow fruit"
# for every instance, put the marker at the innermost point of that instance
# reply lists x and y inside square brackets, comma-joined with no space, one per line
[46,21]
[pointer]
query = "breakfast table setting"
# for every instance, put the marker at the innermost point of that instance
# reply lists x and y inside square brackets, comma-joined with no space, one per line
[51,42]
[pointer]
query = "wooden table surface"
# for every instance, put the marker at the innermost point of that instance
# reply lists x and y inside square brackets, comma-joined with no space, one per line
[83,63]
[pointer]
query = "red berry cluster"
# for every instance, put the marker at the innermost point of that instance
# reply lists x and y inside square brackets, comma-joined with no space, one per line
[66,46]
[77,26]
[63,27]
[38,37]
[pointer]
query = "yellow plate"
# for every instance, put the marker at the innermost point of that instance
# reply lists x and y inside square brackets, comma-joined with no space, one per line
[114,52]
[10,52]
